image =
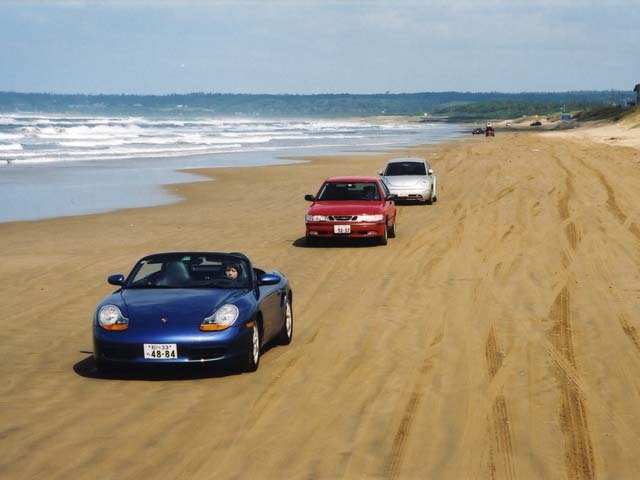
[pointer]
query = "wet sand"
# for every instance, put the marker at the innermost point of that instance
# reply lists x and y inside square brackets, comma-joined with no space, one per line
[495,337]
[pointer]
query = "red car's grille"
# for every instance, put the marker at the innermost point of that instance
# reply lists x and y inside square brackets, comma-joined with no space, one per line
[343,218]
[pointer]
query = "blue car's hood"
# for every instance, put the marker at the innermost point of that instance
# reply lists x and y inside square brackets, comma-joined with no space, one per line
[179,307]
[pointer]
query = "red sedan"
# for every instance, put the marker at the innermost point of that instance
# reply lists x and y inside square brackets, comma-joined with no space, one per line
[356,207]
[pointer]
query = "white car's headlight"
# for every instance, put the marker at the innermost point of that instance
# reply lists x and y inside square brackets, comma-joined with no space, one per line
[424,181]
[110,318]
[222,319]
[370,218]
[316,218]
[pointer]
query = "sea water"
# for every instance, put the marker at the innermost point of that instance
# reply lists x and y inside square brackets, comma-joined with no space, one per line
[63,164]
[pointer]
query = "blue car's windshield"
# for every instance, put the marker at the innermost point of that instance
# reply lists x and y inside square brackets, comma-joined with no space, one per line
[191,271]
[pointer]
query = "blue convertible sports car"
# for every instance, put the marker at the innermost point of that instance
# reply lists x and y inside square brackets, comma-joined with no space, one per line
[192,307]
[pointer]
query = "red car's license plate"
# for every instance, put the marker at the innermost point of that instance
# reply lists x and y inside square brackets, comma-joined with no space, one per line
[342,229]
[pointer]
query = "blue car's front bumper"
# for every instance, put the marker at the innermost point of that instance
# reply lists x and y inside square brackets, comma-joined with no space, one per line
[120,347]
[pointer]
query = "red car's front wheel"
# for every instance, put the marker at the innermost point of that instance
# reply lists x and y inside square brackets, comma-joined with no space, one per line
[392,230]
[385,234]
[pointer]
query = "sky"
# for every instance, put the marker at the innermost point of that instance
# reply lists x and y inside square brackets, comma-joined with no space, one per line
[313,47]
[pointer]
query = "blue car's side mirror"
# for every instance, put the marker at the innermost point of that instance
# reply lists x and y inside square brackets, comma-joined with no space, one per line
[268,279]
[117,279]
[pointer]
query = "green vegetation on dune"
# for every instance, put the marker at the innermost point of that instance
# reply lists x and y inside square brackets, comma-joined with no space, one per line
[614,113]
[509,109]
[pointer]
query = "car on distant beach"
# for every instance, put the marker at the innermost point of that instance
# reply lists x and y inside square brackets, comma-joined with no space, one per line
[410,179]
[537,123]
[351,207]
[192,307]
[477,131]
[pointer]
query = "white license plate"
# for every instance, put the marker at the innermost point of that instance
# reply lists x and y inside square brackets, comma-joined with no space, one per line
[342,229]
[160,351]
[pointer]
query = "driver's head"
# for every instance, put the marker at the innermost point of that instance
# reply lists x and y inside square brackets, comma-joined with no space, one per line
[231,271]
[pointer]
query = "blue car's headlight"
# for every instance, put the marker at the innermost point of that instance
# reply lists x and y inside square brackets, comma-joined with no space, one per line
[110,318]
[222,319]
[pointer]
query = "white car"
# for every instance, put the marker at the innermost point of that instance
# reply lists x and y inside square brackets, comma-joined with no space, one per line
[410,179]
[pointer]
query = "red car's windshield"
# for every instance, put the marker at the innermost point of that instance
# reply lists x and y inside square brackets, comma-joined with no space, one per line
[332,191]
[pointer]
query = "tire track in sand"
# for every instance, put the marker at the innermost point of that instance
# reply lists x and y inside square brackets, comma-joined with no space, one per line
[563,206]
[392,465]
[499,421]
[579,455]
[612,203]
[634,228]
[623,318]
[629,330]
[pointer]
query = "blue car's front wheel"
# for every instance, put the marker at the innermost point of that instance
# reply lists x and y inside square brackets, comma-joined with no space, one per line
[253,358]
[286,334]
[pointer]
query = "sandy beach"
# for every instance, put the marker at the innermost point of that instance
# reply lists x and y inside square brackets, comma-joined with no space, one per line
[496,337]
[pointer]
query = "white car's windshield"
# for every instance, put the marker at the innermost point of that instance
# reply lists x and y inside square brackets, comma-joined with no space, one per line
[405,168]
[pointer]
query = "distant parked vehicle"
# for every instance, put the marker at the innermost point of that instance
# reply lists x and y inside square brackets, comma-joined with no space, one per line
[410,179]
[537,123]
[477,131]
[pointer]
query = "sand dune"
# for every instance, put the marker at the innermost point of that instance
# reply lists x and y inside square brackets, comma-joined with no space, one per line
[495,337]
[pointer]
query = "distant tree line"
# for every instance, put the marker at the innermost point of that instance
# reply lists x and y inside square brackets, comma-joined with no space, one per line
[454,105]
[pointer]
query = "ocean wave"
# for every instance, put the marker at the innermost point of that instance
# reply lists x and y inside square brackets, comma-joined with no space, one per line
[57,137]
[9,136]
[118,154]
[10,147]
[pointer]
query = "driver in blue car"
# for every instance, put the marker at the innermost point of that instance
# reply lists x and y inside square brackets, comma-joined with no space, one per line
[231,271]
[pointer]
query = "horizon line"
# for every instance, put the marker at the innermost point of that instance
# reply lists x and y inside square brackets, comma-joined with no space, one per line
[387,93]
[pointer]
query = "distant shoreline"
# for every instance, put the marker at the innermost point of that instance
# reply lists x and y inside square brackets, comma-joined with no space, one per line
[457,106]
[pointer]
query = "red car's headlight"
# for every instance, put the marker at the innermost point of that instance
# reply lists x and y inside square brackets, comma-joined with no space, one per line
[316,218]
[370,218]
